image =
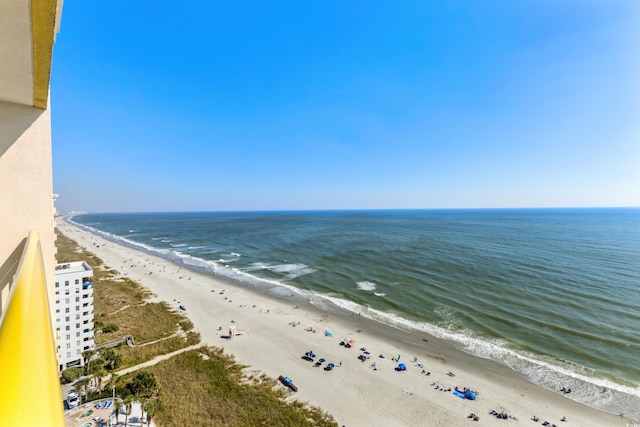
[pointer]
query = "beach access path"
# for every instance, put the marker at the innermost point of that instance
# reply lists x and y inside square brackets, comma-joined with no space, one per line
[272,334]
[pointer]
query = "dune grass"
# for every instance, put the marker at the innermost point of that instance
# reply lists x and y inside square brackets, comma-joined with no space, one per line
[205,387]
[120,301]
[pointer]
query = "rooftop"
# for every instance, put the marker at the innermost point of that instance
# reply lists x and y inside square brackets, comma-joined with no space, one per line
[72,267]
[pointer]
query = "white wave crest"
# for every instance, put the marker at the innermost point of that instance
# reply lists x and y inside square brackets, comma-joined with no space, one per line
[290,270]
[366,286]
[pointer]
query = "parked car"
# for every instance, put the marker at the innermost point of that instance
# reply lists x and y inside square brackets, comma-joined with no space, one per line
[72,400]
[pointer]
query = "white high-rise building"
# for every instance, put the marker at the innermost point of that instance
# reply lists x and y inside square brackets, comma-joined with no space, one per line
[74,312]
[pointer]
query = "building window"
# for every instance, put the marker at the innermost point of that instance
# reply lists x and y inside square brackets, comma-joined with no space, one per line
[77,281]
[57,284]
[57,292]
[77,308]
[78,343]
[68,336]
[77,299]
[66,310]
[66,291]
[77,325]
[66,300]
[66,319]
[57,311]
[78,334]
[68,328]
[68,354]
[66,283]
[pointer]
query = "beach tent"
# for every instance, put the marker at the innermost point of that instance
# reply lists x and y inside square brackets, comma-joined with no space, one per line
[328,333]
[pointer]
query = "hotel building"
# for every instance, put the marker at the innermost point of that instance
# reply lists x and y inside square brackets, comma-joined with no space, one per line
[74,312]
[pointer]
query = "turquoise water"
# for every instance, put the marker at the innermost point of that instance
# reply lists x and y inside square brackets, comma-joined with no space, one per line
[552,293]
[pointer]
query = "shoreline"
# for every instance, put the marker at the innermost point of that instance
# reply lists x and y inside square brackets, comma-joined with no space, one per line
[354,393]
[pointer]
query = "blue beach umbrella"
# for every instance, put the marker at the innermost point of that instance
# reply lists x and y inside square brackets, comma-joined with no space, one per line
[321,360]
[332,365]
[402,366]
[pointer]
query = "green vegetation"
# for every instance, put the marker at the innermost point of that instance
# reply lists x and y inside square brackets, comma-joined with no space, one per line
[121,308]
[201,387]
[205,387]
[111,327]
[69,375]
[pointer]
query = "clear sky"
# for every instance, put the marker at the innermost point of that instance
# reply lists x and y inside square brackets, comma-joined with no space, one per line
[334,104]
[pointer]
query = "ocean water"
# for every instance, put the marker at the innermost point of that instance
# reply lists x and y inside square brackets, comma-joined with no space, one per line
[551,293]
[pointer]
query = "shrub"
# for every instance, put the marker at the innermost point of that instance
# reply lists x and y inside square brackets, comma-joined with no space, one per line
[71,374]
[111,327]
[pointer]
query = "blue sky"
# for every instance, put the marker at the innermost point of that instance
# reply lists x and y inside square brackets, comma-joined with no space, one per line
[260,105]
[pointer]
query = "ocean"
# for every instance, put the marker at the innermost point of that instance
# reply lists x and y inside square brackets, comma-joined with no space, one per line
[552,293]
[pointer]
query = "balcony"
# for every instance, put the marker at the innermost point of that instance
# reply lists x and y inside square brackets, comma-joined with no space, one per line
[28,363]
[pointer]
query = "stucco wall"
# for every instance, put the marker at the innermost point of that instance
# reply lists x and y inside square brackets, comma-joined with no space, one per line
[26,199]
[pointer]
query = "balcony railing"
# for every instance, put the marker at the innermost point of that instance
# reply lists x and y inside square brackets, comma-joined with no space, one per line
[29,386]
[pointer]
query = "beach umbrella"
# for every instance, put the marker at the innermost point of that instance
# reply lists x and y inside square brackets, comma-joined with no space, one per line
[402,366]
[308,353]
[366,352]
[328,334]
[312,355]
[332,365]
[470,395]
[321,360]
[351,341]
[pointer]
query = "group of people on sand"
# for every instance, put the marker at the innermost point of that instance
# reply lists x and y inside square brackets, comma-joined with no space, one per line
[547,423]
[501,415]
[473,416]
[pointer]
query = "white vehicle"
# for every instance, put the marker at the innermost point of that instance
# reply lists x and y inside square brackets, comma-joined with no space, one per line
[72,400]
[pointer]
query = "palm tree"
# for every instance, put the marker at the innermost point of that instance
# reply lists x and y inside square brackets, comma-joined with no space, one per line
[99,373]
[87,355]
[127,402]
[143,406]
[150,406]
[113,382]
[79,387]
[144,384]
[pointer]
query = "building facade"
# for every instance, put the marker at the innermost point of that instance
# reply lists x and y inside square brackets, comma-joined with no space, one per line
[73,312]
[28,346]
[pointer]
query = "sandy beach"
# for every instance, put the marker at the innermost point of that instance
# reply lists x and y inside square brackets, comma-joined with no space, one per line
[273,334]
